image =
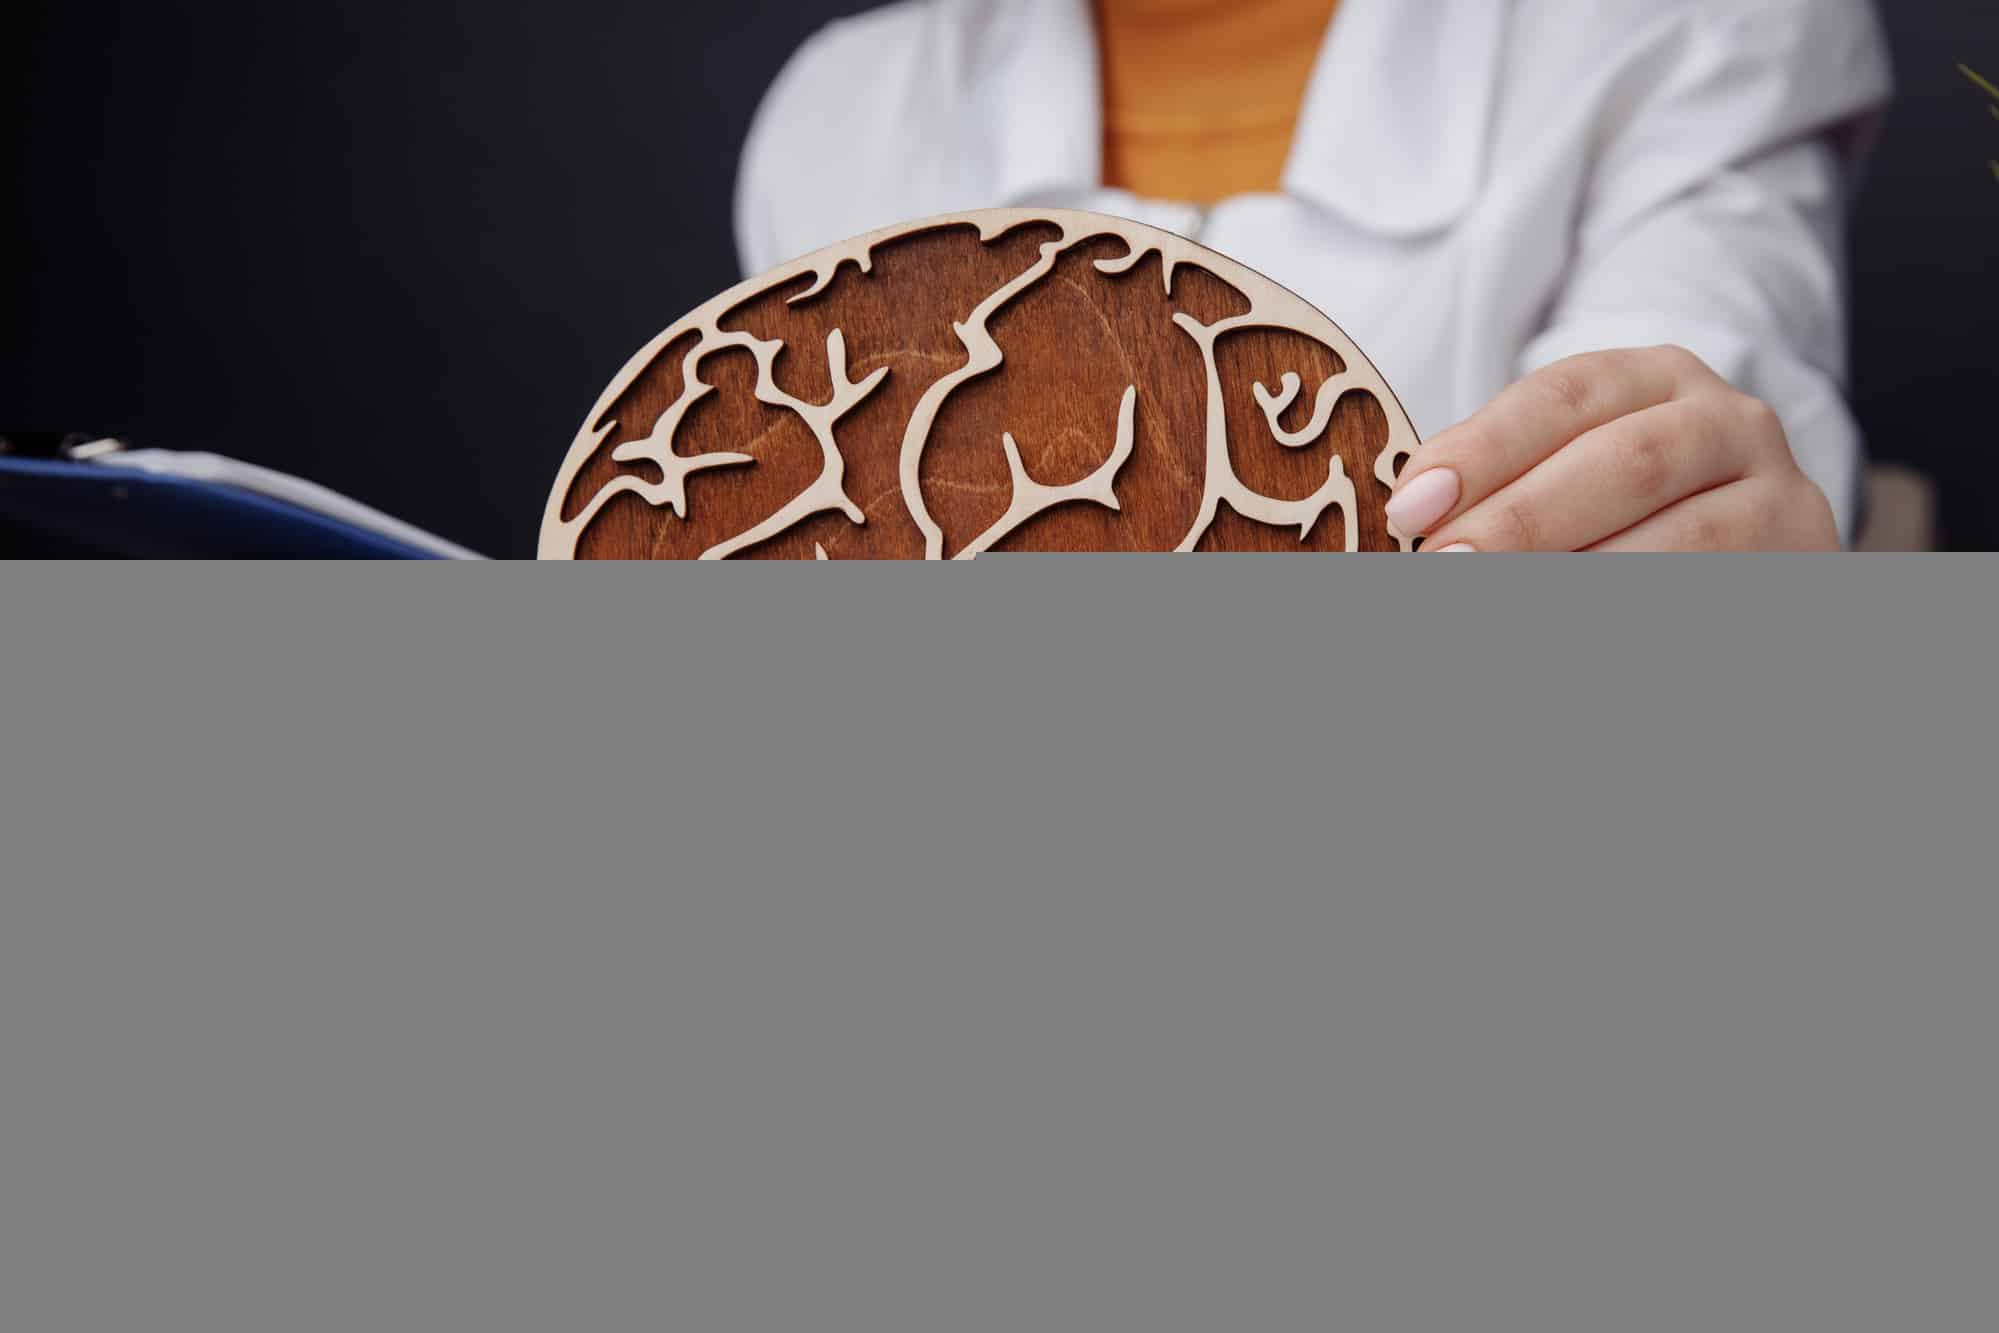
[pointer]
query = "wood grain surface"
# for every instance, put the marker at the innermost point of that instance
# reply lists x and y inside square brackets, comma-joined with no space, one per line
[1074,338]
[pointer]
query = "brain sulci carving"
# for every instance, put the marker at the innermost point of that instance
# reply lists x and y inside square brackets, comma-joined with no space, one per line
[1008,380]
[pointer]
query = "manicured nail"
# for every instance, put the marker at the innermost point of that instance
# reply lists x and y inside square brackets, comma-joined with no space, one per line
[1422,504]
[1457,548]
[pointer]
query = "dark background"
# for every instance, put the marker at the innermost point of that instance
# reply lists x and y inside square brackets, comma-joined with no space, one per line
[400,248]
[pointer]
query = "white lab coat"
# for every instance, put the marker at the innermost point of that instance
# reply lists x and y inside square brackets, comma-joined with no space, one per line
[1477,187]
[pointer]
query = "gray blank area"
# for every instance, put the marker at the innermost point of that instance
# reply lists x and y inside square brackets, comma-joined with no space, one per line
[1231,944]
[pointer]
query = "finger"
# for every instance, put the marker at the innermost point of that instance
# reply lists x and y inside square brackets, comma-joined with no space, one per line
[1525,424]
[1612,478]
[1741,516]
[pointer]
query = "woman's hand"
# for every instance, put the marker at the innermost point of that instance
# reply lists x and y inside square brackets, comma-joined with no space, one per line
[1642,450]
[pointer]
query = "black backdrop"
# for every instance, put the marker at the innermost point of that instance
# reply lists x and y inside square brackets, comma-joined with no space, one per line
[400,247]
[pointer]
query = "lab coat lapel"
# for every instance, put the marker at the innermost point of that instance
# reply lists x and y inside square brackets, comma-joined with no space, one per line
[1397,120]
[1033,123]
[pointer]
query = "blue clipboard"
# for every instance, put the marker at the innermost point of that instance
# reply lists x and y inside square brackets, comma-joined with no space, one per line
[69,509]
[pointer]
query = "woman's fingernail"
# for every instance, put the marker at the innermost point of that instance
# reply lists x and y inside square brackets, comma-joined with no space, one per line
[1422,504]
[1456,549]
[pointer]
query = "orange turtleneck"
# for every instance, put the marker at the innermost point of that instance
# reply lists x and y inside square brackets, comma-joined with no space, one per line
[1201,97]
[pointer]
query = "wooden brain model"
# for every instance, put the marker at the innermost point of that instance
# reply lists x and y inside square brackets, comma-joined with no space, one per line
[985,382]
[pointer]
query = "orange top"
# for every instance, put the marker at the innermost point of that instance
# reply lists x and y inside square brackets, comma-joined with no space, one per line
[1201,97]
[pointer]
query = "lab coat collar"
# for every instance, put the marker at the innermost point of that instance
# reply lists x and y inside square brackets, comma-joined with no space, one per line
[1033,125]
[1392,136]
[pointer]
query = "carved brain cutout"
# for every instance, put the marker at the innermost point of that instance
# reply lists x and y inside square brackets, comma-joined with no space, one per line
[998,381]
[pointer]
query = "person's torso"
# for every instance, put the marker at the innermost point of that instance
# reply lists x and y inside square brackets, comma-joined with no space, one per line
[1439,158]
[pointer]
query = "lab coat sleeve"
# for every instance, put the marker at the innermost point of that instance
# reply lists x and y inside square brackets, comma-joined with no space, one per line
[1716,214]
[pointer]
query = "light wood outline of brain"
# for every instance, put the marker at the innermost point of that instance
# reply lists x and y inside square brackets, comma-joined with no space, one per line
[677,461]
